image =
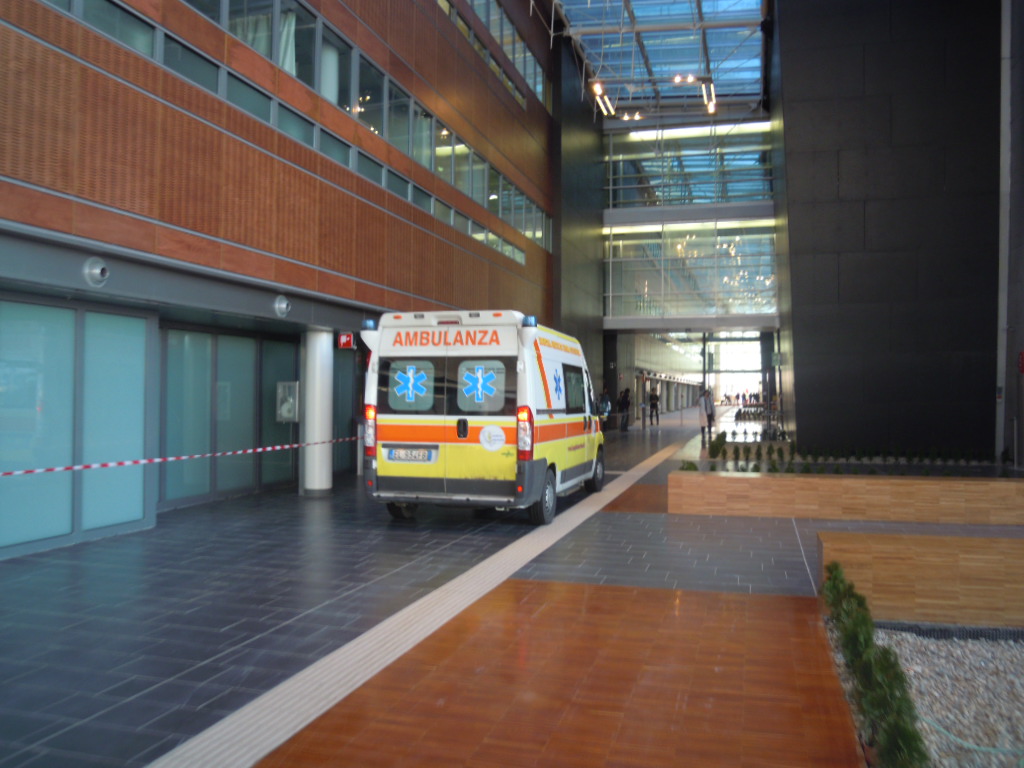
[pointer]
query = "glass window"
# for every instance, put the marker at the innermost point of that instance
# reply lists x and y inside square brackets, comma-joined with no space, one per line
[575,389]
[497,15]
[480,8]
[463,179]
[64,5]
[251,22]
[336,70]
[494,192]
[113,417]
[479,183]
[481,386]
[119,24]
[369,168]
[443,212]
[477,231]
[519,210]
[423,137]
[188,412]
[297,41]
[520,59]
[422,198]
[190,64]
[507,193]
[443,152]
[209,8]
[411,386]
[445,6]
[508,39]
[460,222]
[463,27]
[371,96]
[253,101]
[37,375]
[399,106]
[296,126]
[398,185]
[335,148]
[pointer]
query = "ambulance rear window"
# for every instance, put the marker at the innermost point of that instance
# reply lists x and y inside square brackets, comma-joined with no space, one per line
[412,386]
[482,386]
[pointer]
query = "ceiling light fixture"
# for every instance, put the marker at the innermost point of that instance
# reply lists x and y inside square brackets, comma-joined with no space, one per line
[602,100]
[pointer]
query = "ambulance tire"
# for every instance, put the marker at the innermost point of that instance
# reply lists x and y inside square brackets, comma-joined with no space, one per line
[596,482]
[402,511]
[542,511]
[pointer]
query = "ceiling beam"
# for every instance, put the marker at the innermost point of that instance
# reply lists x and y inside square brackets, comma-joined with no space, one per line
[583,30]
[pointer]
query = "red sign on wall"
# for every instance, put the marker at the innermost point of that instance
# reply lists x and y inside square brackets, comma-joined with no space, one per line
[346,340]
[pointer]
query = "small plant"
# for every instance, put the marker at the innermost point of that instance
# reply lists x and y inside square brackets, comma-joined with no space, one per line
[805,468]
[790,470]
[757,452]
[713,467]
[755,467]
[881,689]
[689,466]
[746,453]
[736,454]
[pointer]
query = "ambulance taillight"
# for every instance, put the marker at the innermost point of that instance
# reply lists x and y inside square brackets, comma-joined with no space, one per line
[524,433]
[370,431]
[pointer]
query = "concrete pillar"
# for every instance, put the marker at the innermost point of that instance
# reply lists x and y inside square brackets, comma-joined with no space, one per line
[316,461]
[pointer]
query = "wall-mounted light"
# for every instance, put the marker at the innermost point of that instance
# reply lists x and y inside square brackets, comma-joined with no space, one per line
[282,306]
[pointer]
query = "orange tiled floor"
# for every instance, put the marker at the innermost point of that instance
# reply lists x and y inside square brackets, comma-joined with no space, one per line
[556,674]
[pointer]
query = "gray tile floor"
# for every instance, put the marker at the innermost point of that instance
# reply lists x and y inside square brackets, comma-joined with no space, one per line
[113,652]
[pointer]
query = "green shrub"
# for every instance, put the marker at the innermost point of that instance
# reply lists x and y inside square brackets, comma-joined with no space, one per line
[689,466]
[900,744]
[881,689]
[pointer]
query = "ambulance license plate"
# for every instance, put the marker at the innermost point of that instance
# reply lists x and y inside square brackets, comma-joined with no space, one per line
[409,454]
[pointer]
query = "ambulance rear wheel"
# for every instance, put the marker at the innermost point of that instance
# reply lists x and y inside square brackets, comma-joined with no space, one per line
[596,482]
[402,511]
[542,511]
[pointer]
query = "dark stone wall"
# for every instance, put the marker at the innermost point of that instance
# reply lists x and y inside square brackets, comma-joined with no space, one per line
[578,167]
[889,262]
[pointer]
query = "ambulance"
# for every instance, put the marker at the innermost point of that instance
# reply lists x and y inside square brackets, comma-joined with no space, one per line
[477,409]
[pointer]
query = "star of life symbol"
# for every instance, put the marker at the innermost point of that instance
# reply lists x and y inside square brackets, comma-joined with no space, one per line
[558,386]
[410,383]
[479,384]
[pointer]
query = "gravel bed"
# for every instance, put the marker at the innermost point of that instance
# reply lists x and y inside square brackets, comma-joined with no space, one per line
[965,691]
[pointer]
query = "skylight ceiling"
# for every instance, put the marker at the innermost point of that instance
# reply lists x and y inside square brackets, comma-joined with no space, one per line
[642,51]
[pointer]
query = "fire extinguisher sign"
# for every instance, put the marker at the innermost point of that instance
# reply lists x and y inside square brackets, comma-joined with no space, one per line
[346,340]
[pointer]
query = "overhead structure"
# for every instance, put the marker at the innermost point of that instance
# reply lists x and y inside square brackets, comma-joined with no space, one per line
[672,58]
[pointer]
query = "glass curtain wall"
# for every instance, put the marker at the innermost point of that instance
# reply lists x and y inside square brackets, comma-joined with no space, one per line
[695,269]
[221,396]
[690,165]
[73,390]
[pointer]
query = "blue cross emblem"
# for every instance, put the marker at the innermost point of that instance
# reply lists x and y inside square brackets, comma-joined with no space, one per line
[479,384]
[410,384]
[558,386]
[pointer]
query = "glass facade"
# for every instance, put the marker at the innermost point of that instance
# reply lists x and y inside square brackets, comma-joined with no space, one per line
[114,418]
[37,390]
[50,417]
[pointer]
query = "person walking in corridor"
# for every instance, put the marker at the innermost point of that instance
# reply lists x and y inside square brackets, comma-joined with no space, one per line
[624,403]
[655,399]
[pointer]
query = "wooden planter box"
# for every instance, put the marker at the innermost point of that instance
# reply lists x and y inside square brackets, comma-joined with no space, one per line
[969,501]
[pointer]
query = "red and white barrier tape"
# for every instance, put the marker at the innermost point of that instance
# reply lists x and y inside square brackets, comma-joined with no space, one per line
[136,462]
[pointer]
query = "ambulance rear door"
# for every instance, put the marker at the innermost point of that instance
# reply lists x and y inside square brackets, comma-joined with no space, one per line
[446,415]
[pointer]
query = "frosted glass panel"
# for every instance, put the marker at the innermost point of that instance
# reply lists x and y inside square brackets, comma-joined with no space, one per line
[189,373]
[279,364]
[236,422]
[113,418]
[37,357]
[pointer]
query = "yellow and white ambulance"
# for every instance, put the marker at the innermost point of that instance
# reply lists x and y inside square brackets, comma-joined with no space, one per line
[480,409]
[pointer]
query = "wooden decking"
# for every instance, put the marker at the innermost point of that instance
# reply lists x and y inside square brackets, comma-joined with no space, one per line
[558,674]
